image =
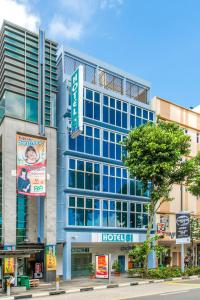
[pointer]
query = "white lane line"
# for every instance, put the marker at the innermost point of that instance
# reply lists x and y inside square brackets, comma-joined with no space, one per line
[173,293]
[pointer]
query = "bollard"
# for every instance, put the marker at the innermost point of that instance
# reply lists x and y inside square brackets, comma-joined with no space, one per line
[8,287]
[57,282]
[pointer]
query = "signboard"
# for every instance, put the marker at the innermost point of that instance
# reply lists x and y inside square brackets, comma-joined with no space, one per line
[31,165]
[50,252]
[161,228]
[182,228]
[9,264]
[102,266]
[117,237]
[77,102]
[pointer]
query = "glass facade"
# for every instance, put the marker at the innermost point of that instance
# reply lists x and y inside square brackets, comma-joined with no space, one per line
[21,218]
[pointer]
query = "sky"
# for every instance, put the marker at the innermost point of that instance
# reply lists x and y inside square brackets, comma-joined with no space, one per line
[156,40]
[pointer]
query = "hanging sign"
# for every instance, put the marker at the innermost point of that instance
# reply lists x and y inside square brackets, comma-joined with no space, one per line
[182,228]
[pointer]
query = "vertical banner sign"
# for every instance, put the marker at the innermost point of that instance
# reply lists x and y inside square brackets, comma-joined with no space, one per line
[31,165]
[50,253]
[102,266]
[182,228]
[9,267]
[77,102]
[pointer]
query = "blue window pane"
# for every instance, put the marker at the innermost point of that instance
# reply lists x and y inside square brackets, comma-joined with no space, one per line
[105,183]
[132,110]
[96,132]
[150,116]
[132,121]
[118,118]
[118,152]
[112,102]
[80,217]
[118,138]
[80,165]
[145,114]
[112,150]
[96,218]
[124,120]
[118,185]
[80,202]
[80,180]
[89,94]
[96,111]
[72,143]
[105,149]
[112,171]
[105,135]
[132,220]
[138,221]
[132,187]
[72,164]
[89,167]
[96,147]
[105,100]
[88,217]
[80,143]
[118,172]
[89,109]
[88,181]
[72,179]
[144,121]
[111,220]
[105,218]
[124,173]
[96,168]
[112,205]
[138,122]
[72,201]
[105,170]
[32,110]
[71,216]
[112,137]
[125,107]
[105,204]
[89,130]
[112,116]
[138,111]
[89,145]
[96,97]
[124,186]
[96,204]
[96,182]
[105,114]
[118,104]
[112,184]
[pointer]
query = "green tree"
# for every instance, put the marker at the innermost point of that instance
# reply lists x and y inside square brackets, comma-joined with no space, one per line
[154,155]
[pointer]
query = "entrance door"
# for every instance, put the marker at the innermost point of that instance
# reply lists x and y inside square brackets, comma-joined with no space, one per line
[121,260]
[80,264]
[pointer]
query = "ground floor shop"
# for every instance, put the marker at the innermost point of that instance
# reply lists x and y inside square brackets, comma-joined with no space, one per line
[81,248]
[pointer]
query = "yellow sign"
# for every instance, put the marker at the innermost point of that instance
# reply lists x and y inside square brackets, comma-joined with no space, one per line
[51,258]
[9,265]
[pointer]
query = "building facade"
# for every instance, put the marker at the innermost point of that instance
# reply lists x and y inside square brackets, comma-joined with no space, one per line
[100,209]
[28,86]
[189,120]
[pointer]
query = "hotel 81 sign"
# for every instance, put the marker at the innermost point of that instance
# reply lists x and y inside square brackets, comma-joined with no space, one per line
[77,102]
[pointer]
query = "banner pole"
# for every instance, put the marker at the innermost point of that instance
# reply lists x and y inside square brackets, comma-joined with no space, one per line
[182,258]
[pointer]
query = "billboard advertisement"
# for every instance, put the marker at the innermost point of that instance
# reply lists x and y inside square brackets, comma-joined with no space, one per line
[50,252]
[182,228]
[77,102]
[102,266]
[31,165]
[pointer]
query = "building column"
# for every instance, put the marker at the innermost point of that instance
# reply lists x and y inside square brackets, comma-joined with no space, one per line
[67,256]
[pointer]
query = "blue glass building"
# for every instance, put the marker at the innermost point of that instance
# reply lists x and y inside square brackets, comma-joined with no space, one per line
[100,209]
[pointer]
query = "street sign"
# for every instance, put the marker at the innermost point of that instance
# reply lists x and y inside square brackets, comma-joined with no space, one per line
[182,228]
[77,102]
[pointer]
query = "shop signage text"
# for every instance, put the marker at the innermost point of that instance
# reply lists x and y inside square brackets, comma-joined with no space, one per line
[117,237]
[182,228]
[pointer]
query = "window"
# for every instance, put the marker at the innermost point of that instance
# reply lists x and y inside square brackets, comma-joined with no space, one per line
[139,116]
[136,92]
[114,179]
[14,105]
[112,147]
[110,81]
[138,215]
[83,211]
[32,110]
[115,112]
[165,220]
[92,104]
[114,213]
[197,138]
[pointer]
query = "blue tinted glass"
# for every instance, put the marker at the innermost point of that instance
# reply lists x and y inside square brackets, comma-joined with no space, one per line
[118,152]
[96,182]
[96,97]
[151,115]
[80,143]
[80,217]
[118,118]
[132,220]
[72,164]
[132,109]
[96,111]
[88,181]
[118,174]
[112,116]
[89,167]
[89,109]
[112,171]
[105,135]
[72,179]
[89,130]
[118,104]
[145,114]
[96,204]
[88,217]
[105,183]
[124,120]
[125,106]
[112,150]
[124,186]
[80,165]
[105,114]
[105,100]
[112,102]
[71,216]
[96,147]
[80,180]
[144,121]
[89,94]
[118,185]
[112,184]
[105,149]
[96,218]
[105,170]
[105,218]
[89,145]
[72,201]
[138,122]
[112,137]
[132,187]
[118,138]
[105,204]
[132,121]
[96,132]
[111,222]
[31,110]
[72,143]
[124,173]
[112,205]
[96,168]
[138,111]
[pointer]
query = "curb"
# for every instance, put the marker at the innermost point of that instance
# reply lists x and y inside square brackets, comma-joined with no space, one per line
[95,288]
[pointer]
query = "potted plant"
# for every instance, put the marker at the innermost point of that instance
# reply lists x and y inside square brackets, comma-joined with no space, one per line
[116,267]
[91,269]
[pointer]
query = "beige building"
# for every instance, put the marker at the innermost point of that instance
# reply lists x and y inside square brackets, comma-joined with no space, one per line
[189,119]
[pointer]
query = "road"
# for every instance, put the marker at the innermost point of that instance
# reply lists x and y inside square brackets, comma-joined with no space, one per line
[184,290]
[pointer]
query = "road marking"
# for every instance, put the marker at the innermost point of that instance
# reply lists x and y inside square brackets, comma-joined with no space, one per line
[173,293]
[184,283]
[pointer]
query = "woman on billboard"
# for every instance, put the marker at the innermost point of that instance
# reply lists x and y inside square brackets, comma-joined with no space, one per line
[23,183]
[31,155]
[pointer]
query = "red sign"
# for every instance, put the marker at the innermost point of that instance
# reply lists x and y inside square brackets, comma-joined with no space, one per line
[161,228]
[102,266]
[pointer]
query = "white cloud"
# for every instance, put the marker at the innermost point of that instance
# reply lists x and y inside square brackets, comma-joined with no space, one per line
[19,13]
